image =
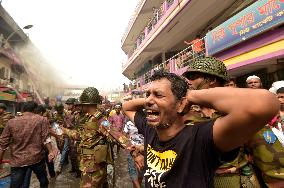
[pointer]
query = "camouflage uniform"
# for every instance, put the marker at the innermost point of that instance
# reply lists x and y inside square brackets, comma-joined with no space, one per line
[72,120]
[4,117]
[236,173]
[93,148]
[268,157]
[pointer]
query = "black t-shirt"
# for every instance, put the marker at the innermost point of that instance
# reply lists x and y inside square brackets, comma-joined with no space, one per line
[187,160]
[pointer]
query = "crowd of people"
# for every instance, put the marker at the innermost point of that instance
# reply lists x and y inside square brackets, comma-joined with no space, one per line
[194,130]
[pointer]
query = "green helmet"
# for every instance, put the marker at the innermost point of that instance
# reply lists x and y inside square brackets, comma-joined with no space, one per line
[71,101]
[90,95]
[209,65]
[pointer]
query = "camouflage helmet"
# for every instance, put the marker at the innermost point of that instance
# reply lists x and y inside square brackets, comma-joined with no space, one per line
[209,65]
[3,106]
[90,95]
[71,101]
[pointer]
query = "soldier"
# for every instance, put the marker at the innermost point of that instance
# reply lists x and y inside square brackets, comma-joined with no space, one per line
[4,116]
[210,72]
[94,150]
[71,118]
[268,148]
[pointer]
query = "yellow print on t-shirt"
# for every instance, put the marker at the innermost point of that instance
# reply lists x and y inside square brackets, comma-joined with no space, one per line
[160,162]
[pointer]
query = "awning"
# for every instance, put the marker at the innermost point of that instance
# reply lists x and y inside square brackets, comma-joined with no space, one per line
[266,52]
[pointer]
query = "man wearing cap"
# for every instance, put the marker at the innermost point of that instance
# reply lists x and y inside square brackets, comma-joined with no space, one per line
[205,73]
[4,116]
[254,82]
[94,150]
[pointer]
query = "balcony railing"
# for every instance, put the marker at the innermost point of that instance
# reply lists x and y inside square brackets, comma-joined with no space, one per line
[177,62]
[186,56]
[132,19]
[158,14]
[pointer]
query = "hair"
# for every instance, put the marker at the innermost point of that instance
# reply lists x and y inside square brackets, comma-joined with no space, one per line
[40,109]
[232,79]
[30,106]
[280,90]
[217,79]
[179,86]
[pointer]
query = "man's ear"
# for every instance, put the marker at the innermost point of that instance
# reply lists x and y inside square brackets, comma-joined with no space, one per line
[182,106]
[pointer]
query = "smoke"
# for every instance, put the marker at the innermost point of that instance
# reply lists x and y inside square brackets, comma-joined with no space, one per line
[43,78]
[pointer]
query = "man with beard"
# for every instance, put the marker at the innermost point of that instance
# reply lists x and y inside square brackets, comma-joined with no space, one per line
[177,155]
[254,82]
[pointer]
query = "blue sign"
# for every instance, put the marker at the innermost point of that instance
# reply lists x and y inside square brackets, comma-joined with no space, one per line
[257,18]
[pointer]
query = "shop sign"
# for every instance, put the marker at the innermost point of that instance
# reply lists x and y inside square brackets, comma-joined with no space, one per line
[255,19]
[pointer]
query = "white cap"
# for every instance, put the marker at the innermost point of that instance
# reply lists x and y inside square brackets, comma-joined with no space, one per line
[276,85]
[273,90]
[252,77]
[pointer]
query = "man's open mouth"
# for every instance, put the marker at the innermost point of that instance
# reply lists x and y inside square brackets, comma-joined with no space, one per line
[153,115]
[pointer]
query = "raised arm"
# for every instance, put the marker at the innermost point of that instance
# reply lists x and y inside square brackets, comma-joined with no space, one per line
[130,107]
[246,111]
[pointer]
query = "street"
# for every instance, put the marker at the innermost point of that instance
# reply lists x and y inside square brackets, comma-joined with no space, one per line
[68,180]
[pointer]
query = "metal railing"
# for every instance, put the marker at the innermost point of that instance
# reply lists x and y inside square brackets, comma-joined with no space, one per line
[186,56]
[132,19]
[158,14]
[178,61]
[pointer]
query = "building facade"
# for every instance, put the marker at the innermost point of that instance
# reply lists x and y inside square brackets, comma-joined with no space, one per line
[24,74]
[169,34]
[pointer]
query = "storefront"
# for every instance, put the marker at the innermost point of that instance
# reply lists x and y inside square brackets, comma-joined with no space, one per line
[252,42]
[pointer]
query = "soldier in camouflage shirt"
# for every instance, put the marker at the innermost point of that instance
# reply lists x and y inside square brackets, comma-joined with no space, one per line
[72,120]
[205,73]
[94,149]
